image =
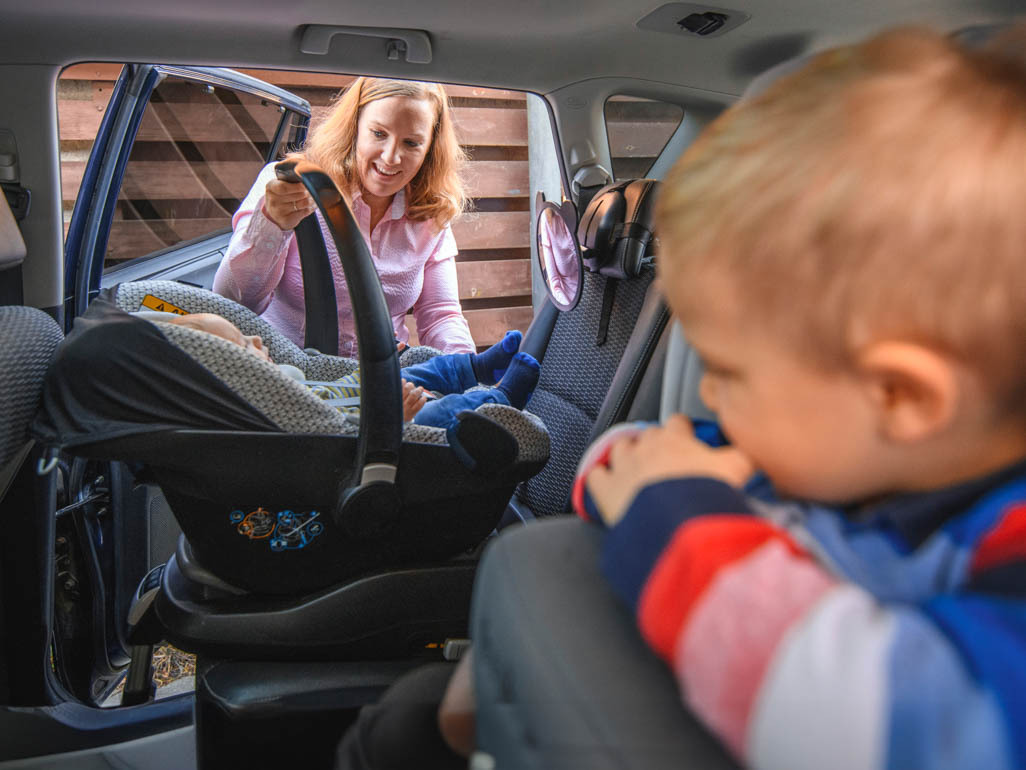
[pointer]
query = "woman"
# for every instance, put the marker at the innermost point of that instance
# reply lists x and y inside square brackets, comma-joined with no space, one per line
[389,145]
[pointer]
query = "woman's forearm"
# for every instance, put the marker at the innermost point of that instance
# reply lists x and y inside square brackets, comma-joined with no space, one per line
[255,259]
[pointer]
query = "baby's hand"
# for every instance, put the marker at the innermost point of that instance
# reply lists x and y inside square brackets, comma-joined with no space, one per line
[414,399]
[656,454]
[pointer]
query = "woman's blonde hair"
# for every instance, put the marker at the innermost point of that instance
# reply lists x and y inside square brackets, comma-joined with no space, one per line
[437,191]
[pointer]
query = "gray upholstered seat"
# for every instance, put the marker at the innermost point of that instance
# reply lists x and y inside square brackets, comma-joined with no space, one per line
[28,339]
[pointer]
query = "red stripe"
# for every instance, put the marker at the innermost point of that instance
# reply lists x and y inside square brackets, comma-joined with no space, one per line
[698,550]
[1003,544]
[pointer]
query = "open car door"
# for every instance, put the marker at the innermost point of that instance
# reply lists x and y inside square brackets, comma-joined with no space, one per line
[176,152]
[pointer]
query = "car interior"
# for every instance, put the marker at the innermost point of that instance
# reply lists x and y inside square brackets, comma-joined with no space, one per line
[129,527]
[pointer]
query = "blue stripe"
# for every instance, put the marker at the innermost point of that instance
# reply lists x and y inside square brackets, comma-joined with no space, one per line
[873,560]
[939,715]
[634,545]
[991,635]
[969,528]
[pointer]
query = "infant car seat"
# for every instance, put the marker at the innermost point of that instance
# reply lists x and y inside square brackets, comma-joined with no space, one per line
[276,491]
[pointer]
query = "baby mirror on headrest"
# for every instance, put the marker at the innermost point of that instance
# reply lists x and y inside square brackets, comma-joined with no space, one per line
[559,256]
[615,232]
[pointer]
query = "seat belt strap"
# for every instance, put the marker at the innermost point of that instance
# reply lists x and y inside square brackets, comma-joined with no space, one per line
[608,296]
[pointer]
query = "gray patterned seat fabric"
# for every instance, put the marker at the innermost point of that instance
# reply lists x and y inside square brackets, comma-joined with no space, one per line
[130,297]
[28,339]
[285,402]
[577,377]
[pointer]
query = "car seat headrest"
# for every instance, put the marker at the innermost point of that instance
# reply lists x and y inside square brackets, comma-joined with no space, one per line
[615,231]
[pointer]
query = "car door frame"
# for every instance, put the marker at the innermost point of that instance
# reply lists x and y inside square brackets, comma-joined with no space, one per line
[89,229]
[114,551]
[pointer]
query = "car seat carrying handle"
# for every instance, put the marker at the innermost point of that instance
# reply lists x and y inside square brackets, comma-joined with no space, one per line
[369,502]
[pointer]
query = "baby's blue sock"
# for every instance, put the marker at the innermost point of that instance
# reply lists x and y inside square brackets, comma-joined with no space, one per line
[490,366]
[520,379]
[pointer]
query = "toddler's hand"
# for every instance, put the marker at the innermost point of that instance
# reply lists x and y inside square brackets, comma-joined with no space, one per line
[656,454]
[414,399]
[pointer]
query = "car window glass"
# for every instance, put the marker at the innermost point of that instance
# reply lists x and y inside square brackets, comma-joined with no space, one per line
[493,266]
[638,129]
[196,154]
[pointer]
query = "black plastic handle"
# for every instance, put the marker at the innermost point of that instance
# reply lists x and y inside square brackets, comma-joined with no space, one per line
[319,301]
[381,414]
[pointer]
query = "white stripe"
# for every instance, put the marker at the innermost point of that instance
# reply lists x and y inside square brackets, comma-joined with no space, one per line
[823,701]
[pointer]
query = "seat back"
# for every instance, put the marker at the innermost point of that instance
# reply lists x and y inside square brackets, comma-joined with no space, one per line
[28,340]
[595,356]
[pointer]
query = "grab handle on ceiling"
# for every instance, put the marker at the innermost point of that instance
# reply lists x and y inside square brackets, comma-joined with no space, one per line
[414,44]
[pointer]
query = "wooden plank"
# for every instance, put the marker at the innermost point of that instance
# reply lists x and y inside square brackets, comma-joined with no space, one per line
[291,80]
[157,180]
[212,122]
[482,126]
[498,179]
[203,121]
[500,230]
[80,119]
[501,278]
[160,180]
[135,238]
[486,326]
[92,71]
[472,231]
[490,126]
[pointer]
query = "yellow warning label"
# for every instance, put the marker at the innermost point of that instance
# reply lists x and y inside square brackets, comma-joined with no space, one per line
[156,303]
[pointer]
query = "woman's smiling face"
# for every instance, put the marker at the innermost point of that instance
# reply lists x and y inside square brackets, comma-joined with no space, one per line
[392,141]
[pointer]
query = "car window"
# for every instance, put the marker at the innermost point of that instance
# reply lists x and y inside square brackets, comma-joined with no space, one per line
[197,151]
[493,266]
[638,129]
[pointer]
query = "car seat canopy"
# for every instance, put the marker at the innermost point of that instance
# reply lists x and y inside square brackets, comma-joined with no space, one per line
[117,375]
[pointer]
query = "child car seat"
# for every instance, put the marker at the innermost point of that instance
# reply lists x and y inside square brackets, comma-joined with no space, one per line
[274,498]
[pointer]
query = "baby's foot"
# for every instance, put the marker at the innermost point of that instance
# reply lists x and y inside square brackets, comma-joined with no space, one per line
[520,379]
[490,365]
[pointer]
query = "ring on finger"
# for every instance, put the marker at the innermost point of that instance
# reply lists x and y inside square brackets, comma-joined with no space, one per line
[295,205]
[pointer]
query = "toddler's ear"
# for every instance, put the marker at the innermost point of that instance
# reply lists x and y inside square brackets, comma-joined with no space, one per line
[914,389]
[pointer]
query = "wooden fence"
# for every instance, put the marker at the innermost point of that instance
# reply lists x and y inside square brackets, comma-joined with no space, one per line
[494,261]
[163,202]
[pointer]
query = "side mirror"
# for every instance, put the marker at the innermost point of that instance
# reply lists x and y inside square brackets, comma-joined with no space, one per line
[559,255]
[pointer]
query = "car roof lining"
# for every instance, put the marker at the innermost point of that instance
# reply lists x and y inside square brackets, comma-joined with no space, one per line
[534,45]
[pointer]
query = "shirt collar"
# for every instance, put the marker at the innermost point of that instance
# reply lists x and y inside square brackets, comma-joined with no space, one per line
[396,211]
[917,515]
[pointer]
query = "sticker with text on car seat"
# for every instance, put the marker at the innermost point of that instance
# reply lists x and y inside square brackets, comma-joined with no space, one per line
[285,530]
[161,305]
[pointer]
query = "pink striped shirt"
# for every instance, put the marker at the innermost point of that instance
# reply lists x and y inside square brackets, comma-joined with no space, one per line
[416,264]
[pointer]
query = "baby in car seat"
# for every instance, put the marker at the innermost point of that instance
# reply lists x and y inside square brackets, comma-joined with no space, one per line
[453,377]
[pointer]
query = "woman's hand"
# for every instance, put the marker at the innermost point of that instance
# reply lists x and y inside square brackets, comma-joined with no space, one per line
[287,203]
[413,400]
[657,454]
